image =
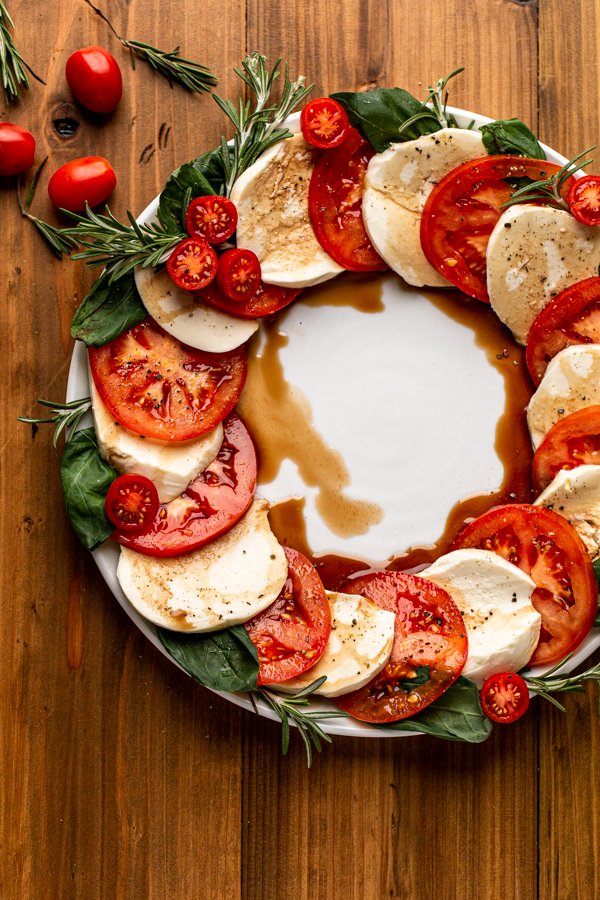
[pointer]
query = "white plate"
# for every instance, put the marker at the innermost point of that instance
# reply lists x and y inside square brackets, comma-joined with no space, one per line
[419,383]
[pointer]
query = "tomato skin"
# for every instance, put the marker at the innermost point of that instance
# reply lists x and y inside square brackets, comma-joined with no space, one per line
[324,123]
[584,199]
[193,264]
[573,441]
[504,697]
[95,79]
[238,274]
[17,149]
[212,218]
[90,179]
[131,503]
[546,547]
[267,300]
[291,634]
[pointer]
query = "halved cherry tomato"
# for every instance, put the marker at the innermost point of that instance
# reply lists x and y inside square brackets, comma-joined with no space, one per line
[291,634]
[573,441]
[549,550]
[90,179]
[132,503]
[324,123]
[211,218]
[94,76]
[17,149]
[584,199]
[335,205]
[429,632]
[163,389]
[462,210]
[268,299]
[192,264]
[238,275]
[209,506]
[504,697]
[572,317]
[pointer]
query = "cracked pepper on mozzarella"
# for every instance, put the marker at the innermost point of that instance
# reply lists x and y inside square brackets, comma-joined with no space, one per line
[271,198]
[575,494]
[571,382]
[223,583]
[494,597]
[359,646]
[397,184]
[535,252]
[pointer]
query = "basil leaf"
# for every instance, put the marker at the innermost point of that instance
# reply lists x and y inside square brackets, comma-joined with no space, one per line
[186,180]
[108,310]
[513,137]
[210,165]
[222,660]
[455,716]
[85,479]
[379,114]
[421,677]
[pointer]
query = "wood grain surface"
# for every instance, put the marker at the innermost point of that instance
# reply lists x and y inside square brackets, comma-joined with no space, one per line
[121,778]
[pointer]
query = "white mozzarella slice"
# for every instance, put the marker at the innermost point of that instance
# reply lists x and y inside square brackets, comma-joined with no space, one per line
[397,184]
[571,382]
[494,598]
[190,321]
[575,494]
[535,252]
[358,648]
[170,465]
[271,198]
[224,583]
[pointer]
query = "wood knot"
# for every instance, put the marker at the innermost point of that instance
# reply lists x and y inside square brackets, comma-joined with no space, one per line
[65,120]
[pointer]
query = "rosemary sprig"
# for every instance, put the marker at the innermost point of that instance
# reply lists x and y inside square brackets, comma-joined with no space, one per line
[553,683]
[64,416]
[549,190]
[12,65]
[191,75]
[57,243]
[438,100]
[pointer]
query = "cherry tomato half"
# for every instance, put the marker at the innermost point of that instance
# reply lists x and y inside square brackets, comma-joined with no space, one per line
[132,503]
[212,218]
[584,199]
[192,264]
[17,149]
[238,275]
[504,697]
[94,77]
[573,441]
[324,123]
[90,179]
[268,299]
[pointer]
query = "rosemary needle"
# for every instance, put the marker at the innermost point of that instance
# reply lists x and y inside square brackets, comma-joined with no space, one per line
[12,65]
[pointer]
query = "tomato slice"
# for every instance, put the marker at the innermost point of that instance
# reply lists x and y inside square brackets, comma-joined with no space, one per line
[549,550]
[572,317]
[268,299]
[429,649]
[462,210]
[132,503]
[335,205]
[584,199]
[192,264]
[291,634]
[212,218]
[573,441]
[504,697]
[209,506]
[163,389]
[324,123]
[238,275]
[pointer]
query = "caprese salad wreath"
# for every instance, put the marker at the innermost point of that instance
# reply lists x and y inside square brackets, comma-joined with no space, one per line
[367,181]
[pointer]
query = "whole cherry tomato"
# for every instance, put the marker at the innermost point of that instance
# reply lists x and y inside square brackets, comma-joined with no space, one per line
[95,79]
[90,179]
[17,149]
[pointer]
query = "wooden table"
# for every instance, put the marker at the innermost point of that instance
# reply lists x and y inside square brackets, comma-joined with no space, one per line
[121,777]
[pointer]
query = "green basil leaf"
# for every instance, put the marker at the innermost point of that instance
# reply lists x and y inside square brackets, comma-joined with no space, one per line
[108,310]
[455,716]
[379,114]
[421,677]
[222,660]
[85,479]
[187,179]
[210,165]
[513,137]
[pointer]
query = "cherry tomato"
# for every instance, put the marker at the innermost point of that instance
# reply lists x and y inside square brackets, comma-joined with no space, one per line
[238,275]
[209,506]
[291,634]
[324,123]
[584,199]
[94,77]
[192,264]
[429,632]
[90,179]
[212,218]
[462,210]
[163,389]
[335,205]
[268,299]
[572,317]
[504,697]
[17,149]
[573,441]
[545,546]
[132,503]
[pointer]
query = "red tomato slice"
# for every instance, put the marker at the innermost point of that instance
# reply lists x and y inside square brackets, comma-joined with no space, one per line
[291,634]
[429,631]
[573,441]
[335,205]
[324,123]
[572,317]
[238,275]
[192,264]
[504,697]
[163,389]
[209,506]
[268,299]
[132,503]
[549,550]
[212,218]
[462,210]
[584,199]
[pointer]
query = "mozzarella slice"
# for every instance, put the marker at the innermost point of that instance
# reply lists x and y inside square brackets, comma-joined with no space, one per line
[494,598]
[271,198]
[575,494]
[397,184]
[190,321]
[534,252]
[571,382]
[358,648]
